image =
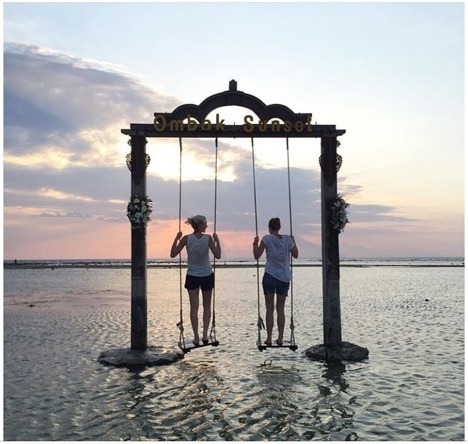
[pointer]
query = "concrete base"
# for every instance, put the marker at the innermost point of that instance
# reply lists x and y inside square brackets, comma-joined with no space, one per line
[344,352]
[152,356]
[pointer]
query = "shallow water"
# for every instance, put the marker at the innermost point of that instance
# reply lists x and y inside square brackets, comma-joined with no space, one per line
[411,388]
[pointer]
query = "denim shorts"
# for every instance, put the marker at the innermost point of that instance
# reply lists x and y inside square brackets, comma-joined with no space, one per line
[205,282]
[271,285]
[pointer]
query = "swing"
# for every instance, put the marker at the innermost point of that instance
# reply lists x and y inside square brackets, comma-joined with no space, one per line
[291,344]
[212,341]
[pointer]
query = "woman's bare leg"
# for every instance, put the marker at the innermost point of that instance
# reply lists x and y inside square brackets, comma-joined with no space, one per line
[281,319]
[206,312]
[194,303]
[270,308]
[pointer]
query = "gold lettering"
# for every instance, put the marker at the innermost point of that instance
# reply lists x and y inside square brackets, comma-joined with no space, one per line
[262,126]
[248,127]
[206,125]
[308,124]
[176,125]
[275,125]
[299,126]
[192,125]
[219,123]
[159,122]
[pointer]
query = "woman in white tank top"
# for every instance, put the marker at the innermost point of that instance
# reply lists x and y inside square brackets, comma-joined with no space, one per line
[277,274]
[199,272]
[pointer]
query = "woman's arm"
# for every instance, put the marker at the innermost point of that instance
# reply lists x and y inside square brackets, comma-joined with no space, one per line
[258,249]
[215,246]
[294,251]
[178,247]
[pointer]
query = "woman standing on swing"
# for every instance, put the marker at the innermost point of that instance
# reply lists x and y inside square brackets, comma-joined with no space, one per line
[277,274]
[199,271]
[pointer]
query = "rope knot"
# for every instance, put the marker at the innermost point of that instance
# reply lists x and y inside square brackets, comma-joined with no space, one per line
[260,324]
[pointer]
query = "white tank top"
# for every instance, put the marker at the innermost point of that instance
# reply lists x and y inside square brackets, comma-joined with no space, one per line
[198,256]
[278,256]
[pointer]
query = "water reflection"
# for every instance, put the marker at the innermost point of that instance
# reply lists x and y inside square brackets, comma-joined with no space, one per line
[334,372]
[335,414]
[276,376]
[178,411]
[278,403]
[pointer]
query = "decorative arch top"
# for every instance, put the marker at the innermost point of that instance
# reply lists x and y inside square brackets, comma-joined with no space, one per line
[233,97]
[190,120]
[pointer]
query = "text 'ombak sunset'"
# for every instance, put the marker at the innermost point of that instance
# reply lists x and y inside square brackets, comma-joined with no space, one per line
[190,124]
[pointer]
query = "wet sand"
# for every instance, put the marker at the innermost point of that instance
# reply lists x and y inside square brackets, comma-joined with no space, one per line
[56,323]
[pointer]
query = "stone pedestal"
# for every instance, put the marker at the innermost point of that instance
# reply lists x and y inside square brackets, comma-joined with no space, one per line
[152,356]
[342,352]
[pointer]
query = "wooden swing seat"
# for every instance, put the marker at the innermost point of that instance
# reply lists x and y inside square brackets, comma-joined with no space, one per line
[192,346]
[262,347]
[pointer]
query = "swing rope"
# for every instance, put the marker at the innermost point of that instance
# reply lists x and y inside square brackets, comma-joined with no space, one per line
[180,324]
[291,325]
[213,322]
[260,323]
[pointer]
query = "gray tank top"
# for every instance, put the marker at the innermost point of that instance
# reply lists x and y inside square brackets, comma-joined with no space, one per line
[198,256]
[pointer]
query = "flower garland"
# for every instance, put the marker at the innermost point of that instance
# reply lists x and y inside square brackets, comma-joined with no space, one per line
[139,210]
[339,217]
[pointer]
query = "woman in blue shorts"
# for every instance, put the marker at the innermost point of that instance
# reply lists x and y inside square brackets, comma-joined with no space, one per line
[277,274]
[199,272]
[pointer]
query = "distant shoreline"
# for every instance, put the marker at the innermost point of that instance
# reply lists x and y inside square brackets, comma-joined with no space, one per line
[97,265]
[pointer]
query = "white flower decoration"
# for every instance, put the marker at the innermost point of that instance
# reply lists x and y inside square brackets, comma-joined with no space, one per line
[139,210]
[339,217]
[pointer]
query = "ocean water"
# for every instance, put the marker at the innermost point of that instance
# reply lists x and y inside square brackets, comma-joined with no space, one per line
[58,320]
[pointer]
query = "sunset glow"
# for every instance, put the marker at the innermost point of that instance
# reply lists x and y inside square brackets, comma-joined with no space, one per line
[66,182]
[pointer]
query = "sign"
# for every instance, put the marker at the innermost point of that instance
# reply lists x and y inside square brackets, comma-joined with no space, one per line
[192,125]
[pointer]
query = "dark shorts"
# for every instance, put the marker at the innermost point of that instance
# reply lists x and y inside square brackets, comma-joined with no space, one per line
[271,285]
[204,282]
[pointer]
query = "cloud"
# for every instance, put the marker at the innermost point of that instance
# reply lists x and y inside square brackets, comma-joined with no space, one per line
[72,214]
[55,101]
[64,160]
[376,213]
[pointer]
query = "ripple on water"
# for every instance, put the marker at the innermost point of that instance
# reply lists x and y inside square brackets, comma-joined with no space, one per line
[411,388]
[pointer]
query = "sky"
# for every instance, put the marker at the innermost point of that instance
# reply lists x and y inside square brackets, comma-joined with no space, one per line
[390,74]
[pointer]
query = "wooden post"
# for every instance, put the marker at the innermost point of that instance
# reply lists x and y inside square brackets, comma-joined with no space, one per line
[330,250]
[302,127]
[139,302]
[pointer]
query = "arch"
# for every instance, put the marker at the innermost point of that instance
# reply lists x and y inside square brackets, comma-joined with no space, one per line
[188,120]
[328,134]
[233,97]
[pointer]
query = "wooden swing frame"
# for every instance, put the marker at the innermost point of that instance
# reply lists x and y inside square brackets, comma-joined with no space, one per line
[191,121]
